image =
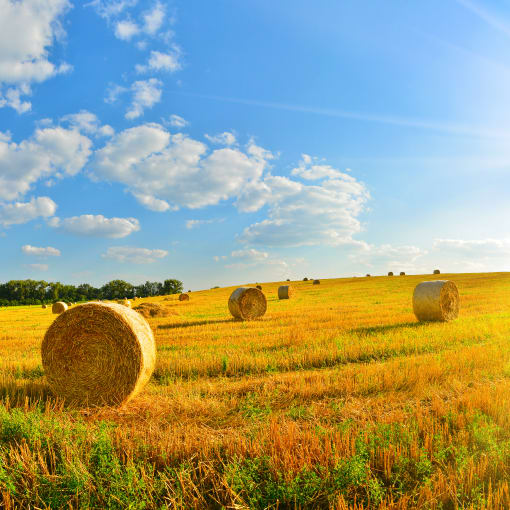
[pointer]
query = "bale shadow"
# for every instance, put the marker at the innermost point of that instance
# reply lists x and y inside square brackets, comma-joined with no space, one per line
[371,330]
[189,324]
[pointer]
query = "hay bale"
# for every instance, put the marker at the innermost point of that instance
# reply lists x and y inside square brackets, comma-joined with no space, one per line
[288,279]
[259,287]
[436,301]
[44,306]
[402,273]
[305,279]
[316,282]
[390,273]
[368,275]
[247,303]
[127,303]
[436,271]
[98,354]
[285,292]
[183,297]
[59,307]
[151,310]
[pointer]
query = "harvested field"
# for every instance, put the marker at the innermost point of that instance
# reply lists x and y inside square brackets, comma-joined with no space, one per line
[336,398]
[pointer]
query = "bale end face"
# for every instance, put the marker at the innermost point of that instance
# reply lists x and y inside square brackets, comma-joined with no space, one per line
[436,301]
[247,303]
[183,297]
[285,292]
[59,307]
[98,354]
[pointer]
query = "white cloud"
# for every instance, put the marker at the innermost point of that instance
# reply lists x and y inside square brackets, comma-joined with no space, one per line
[87,122]
[159,61]
[23,212]
[152,203]
[190,224]
[114,92]
[153,19]
[474,247]
[126,30]
[96,226]
[28,30]
[145,95]
[49,251]
[307,169]
[111,8]
[134,255]
[225,138]
[177,121]
[51,151]
[39,267]
[175,168]
[251,255]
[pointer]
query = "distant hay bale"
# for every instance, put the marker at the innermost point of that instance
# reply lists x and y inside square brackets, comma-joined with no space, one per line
[247,303]
[390,273]
[402,273]
[151,310]
[288,279]
[436,271]
[368,275]
[259,287]
[316,282]
[285,292]
[189,291]
[436,301]
[44,306]
[98,354]
[305,279]
[183,297]
[59,307]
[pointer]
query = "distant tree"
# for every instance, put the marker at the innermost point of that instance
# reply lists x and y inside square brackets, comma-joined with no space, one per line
[172,286]
[117,289]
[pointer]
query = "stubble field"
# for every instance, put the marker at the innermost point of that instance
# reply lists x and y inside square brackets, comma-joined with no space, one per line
[337,398]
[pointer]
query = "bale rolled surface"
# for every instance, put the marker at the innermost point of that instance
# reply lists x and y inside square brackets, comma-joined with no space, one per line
[285,292]
[247,303]
[98,354]
[436,271]
[59,307]
[436,301]
[183,297]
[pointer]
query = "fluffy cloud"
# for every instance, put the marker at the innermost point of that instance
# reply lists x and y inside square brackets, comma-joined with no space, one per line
[251,255]
[51,151]
[152,162]
[145,95]
[225,138]
[190,224]
[158,61]
[49,251]
[28,29]
[87,122]
[23,212]
[308,169]
[96,226]
[126,29]
[298,214]
[134,255]
[152,203]
[177,122]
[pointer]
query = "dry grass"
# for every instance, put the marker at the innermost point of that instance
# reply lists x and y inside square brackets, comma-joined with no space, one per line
[339,384]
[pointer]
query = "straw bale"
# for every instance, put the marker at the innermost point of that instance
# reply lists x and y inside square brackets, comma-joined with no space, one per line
[390,273]
[44,306]
[151,310]
[285,292]
[368,275]
[436,271]
[183,297]
[98,354]
[305,279]
[247,303]
[59,307]
[436,301]
[402,273]
[316,282]
[259,287]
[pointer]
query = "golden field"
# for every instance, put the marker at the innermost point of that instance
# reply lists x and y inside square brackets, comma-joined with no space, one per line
[336,398]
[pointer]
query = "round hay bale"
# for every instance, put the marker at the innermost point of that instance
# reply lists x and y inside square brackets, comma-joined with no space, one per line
[151,310]
[305,279]
[259,287]
[390,273]
[183,297]
[316,282]
[436,271]
[247,303]
[59,307]
[436,301]
[44,306]
[288,279]
[285,292]
[368,275]
[98,354]
[402,273]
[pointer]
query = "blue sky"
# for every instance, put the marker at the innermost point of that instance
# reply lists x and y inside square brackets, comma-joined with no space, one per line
[227,142]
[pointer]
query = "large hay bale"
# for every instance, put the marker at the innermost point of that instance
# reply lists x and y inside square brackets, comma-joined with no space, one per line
[402,273]
[390,273]
[59,307]
[285,292]
[247,303]
[436,271]
[183,297]
[436,301]
[98,354]
[316,282]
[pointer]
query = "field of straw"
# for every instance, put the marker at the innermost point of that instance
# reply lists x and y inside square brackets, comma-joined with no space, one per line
[336,398]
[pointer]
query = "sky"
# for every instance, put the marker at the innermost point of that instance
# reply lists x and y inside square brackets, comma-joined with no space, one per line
[223,142]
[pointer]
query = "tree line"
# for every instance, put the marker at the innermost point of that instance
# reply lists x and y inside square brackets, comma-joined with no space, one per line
[34,292]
